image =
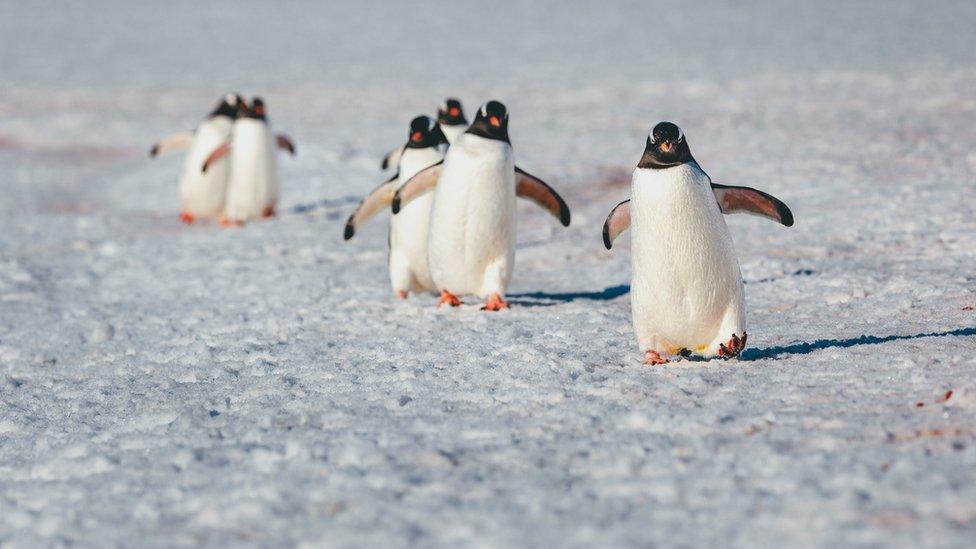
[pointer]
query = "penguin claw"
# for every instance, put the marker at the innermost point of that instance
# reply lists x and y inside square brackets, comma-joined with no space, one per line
[187,218]
[652,358]
[268,212]
[403,294]
[495,303]
[733,347]
[447,298]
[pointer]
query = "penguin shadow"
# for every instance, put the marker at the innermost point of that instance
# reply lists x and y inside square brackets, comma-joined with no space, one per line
[326,204]
[803,348]
[532,299]
[611,292]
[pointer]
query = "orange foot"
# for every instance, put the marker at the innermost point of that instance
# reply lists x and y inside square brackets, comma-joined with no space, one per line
[226,222]
[494,303]
[268,212]
[187,218]
[449,299]
[402,294]
[652,358]
[733,347]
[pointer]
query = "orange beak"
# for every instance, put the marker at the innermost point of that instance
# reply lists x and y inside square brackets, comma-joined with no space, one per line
[259,110]
[493,120]
[415,136]
[454,111]
[666,146]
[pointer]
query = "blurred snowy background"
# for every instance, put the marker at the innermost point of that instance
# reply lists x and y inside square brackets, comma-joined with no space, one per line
[165,385]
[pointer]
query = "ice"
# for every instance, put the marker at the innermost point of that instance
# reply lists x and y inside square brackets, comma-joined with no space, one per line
[165,385]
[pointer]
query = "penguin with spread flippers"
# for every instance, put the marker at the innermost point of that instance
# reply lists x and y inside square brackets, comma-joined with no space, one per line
[202,195]
[687,295]
[471,247]
[408,230]
[253,188]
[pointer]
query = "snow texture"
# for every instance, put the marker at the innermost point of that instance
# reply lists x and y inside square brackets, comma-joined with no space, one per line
[163,385]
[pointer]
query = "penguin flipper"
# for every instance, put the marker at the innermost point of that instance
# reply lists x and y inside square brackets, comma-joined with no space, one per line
[392,158]
[422,182]
[216,155]
[617,222]
[285,143]
[751,201]
[179,141]
[532,188]
[376,200]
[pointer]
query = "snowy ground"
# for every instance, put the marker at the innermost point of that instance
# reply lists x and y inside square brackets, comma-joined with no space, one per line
[165,385]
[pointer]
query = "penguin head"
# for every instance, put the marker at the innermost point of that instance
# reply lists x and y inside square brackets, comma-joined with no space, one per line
[425,132]
[491,122]
[228,106]
[666,147]
[451,113]
[257,109]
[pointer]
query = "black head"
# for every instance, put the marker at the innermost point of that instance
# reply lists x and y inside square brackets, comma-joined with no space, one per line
[666,147]
[257,108]
[425,132]
[491,122]
[451,113]
[228,106]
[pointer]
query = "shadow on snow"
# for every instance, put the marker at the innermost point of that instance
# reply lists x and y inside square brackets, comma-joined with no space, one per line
[803,348]
[605,294]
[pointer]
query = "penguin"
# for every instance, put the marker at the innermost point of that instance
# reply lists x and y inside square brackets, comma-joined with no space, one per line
[471,244]
[450,116]
[408,230]
[253,188]
[202,195]
[687,295]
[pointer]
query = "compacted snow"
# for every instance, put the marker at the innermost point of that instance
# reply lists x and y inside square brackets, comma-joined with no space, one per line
[168,385]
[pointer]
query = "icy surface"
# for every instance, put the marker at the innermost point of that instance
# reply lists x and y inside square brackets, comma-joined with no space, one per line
[165,385]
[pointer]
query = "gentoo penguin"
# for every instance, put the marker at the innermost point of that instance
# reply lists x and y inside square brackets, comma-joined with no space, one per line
[471,248]
[202,194]
[450,116]
[687,294]
[408,230]
[253,188]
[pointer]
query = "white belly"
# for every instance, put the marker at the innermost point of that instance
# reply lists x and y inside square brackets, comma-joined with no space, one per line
[472,227]
[253,183]
[687,289]
[452,132]
[409,228]
[203,194]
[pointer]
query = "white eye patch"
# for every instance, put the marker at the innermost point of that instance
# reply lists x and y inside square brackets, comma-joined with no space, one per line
[484,110]
[230,99]
[430,124]
[681,135]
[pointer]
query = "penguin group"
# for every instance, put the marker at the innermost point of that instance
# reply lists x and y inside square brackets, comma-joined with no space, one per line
[230,172]
[452,211]
[452,205]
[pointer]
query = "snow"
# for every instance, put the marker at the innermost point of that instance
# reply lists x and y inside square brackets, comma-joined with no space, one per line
[191,386]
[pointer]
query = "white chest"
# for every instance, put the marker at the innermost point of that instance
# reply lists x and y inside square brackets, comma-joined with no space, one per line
[685,272]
